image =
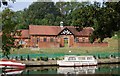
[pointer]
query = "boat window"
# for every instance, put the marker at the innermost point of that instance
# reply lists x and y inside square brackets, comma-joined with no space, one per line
[89,58]
[71,58]
[81,58]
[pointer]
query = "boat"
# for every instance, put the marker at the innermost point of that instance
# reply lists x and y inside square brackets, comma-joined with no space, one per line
[74,60]
[77,70]
[11,64]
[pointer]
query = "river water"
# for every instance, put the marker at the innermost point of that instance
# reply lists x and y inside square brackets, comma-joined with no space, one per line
[100,69]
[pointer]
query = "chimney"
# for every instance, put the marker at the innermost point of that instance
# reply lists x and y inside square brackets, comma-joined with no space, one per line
[61,24]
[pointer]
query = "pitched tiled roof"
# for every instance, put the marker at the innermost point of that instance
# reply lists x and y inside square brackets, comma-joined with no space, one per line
[87,31]
[44,30]
[55,30]
[83,32]
[23,34]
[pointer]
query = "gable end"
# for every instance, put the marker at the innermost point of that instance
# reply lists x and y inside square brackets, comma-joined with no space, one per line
[65,31]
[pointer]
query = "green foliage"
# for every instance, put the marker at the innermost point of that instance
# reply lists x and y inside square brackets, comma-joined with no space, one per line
[41,13]
[44,58]
[85,15]
[108,22]
[92,38]
[8,30]
[105,19]
[38,58]
[57,58]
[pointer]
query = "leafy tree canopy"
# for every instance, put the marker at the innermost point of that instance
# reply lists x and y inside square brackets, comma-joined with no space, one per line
[8,29]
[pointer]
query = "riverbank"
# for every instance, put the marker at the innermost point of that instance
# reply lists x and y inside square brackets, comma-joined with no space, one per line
[54,62]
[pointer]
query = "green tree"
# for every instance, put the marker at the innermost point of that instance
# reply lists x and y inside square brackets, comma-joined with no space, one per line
[22,22]
[108,18]
[66,8]
[84,15]
[42,13]
[8,30]
[105,19]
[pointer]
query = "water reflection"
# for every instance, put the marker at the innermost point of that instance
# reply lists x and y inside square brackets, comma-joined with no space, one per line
[41,70]
[101,69]
[6,71]
[77,70]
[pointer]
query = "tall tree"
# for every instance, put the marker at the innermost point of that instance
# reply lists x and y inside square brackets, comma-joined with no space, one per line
[22,22]
[8,30]
[105,19]
[66,8]
[42,13]
[84,15]
[108,18]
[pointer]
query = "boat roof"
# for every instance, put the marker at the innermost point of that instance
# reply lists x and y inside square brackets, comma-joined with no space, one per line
[69,55]
[78,56]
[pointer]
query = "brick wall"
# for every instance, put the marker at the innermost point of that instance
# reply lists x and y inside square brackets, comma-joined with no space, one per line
[48,44]
[61,42]
[71,41]
[91,44]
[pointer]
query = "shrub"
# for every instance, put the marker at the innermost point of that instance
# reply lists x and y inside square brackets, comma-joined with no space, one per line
[53,59]
[21,57]
[57,58]
[16,58]
[41,58]
[28,57]
[44,58]
[38,58]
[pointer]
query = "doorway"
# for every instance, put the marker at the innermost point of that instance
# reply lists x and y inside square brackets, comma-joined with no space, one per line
[65,42]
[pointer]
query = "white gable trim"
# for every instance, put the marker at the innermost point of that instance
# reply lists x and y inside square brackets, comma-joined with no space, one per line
[66,32]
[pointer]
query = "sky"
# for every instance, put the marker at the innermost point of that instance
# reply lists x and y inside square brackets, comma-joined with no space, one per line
[21,4]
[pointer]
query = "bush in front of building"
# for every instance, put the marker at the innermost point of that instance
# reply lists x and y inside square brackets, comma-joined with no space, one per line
[38,58]
[44,58]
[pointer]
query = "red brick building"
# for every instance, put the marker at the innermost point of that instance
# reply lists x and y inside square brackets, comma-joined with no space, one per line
[55,36]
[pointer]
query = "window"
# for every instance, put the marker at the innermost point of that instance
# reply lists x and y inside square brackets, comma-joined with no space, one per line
[21,42]
[71,58]
[38,40]
[81,58]
[89,58]
[83,39]
[51,40]
[44,39]
[76,40]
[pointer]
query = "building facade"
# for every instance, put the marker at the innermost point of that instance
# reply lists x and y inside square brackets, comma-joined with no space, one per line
[55,36]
